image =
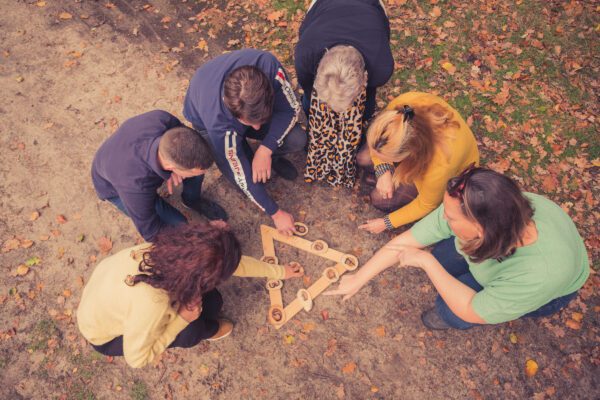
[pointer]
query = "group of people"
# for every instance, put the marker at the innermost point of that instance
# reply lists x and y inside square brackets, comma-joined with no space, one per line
[498,254]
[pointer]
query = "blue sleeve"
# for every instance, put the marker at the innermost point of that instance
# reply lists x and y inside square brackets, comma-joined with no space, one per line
[285,112]
[141,209]
[233,162]
[305,63]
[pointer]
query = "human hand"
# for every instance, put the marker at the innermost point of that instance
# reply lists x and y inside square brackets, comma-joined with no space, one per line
[174,180]
[190,312]
[284,222]
[261,165]
[373,225]
[409,256]
[385,185]
[349,285]
[293,271]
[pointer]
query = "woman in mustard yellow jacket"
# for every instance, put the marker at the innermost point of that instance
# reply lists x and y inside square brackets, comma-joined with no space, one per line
[415,146]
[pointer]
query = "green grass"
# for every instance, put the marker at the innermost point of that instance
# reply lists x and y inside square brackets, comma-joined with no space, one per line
[139,391]
[42,332]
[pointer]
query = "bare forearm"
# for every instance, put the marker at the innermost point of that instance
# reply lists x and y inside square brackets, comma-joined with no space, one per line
[456,294]
[386,256]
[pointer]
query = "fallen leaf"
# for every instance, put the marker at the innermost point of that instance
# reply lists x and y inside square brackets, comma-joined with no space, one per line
[449,67]
[577,316]
[349,368]
[19,79]
[81,238]
[22,270]
[549,183]
[11,244]
[325,315]
[43,238]
[531,368]
[275,15]
[61,219]
[35,260]
[41,4]
[104,244]
[307,327]
[202,45]
[26,243]
[67,293]
[513,338]
[573,324]
[289,339]
[340,392]
[34,215]
[380,331]
[203,370]
[436,12]
[65,15]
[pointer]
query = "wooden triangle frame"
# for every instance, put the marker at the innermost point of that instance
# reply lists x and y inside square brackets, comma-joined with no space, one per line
[278,314]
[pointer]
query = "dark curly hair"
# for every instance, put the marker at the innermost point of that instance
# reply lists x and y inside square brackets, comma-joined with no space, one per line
[189,260]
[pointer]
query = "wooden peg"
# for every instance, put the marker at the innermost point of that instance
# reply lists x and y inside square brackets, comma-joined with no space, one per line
[276,316]
[305,299]
[300,229]
[331,274]
[319,246]
[296,267]
[350,262]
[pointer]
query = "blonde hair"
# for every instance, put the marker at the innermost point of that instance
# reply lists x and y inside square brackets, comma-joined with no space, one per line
[341,76]
[411,143]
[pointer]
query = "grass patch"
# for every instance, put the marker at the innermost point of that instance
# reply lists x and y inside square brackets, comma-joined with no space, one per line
[43,331]
[139,391]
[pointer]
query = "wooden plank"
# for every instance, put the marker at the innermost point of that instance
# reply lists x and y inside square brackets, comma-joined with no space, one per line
[267,240]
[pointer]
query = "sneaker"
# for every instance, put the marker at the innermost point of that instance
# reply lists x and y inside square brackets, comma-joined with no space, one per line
[225,328]
[284,168]
[209,209]
[432,320]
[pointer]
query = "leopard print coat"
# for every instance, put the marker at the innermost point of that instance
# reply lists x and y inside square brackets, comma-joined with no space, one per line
[333,140]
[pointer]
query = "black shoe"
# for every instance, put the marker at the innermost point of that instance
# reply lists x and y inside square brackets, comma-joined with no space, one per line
[284,168]
[209,209]
[432,320]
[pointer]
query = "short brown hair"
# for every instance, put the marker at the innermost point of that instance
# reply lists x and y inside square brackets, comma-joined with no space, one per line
[248,94]
[185,148]
[497,204]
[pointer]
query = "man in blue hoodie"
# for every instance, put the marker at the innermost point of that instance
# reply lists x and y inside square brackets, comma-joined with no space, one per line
[146,151]
[245,94]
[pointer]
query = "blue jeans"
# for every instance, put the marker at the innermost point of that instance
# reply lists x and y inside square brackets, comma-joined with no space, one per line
[446,254]
[166,212]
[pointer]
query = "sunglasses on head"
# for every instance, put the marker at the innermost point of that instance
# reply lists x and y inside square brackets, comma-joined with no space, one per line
[456,186]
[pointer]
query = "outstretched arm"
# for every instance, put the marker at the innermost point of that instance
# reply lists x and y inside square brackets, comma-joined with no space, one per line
[383,259]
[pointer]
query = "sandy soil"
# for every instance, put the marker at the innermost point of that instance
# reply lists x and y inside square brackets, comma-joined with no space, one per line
[66,85]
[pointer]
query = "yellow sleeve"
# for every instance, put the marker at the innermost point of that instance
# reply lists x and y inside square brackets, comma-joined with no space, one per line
[431,190]
[250,267]
[149,329]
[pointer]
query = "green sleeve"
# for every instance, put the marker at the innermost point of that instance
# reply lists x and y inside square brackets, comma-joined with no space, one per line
[432,229]
[252,268]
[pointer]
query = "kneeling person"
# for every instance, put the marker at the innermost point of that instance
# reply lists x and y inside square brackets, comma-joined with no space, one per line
[147,298]
[143,153]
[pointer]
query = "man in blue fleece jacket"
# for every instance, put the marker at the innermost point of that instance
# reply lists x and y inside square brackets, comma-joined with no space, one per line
[139,157]
[246,94]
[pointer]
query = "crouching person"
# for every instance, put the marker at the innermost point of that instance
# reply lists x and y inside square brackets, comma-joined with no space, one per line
[145,299]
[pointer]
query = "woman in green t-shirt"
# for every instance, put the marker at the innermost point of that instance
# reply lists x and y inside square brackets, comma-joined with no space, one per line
[500,254]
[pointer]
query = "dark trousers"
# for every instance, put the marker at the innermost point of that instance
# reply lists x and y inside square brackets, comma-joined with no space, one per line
[369,103]
[295,141]
[202,328]
[166,212]
[456,265]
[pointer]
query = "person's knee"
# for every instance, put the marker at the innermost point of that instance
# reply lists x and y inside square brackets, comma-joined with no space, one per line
[296,140]
[363,158]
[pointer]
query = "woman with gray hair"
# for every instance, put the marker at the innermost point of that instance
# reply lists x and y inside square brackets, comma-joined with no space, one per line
[342,56]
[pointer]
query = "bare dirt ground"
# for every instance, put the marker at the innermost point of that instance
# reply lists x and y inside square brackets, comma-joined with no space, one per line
[71,72]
